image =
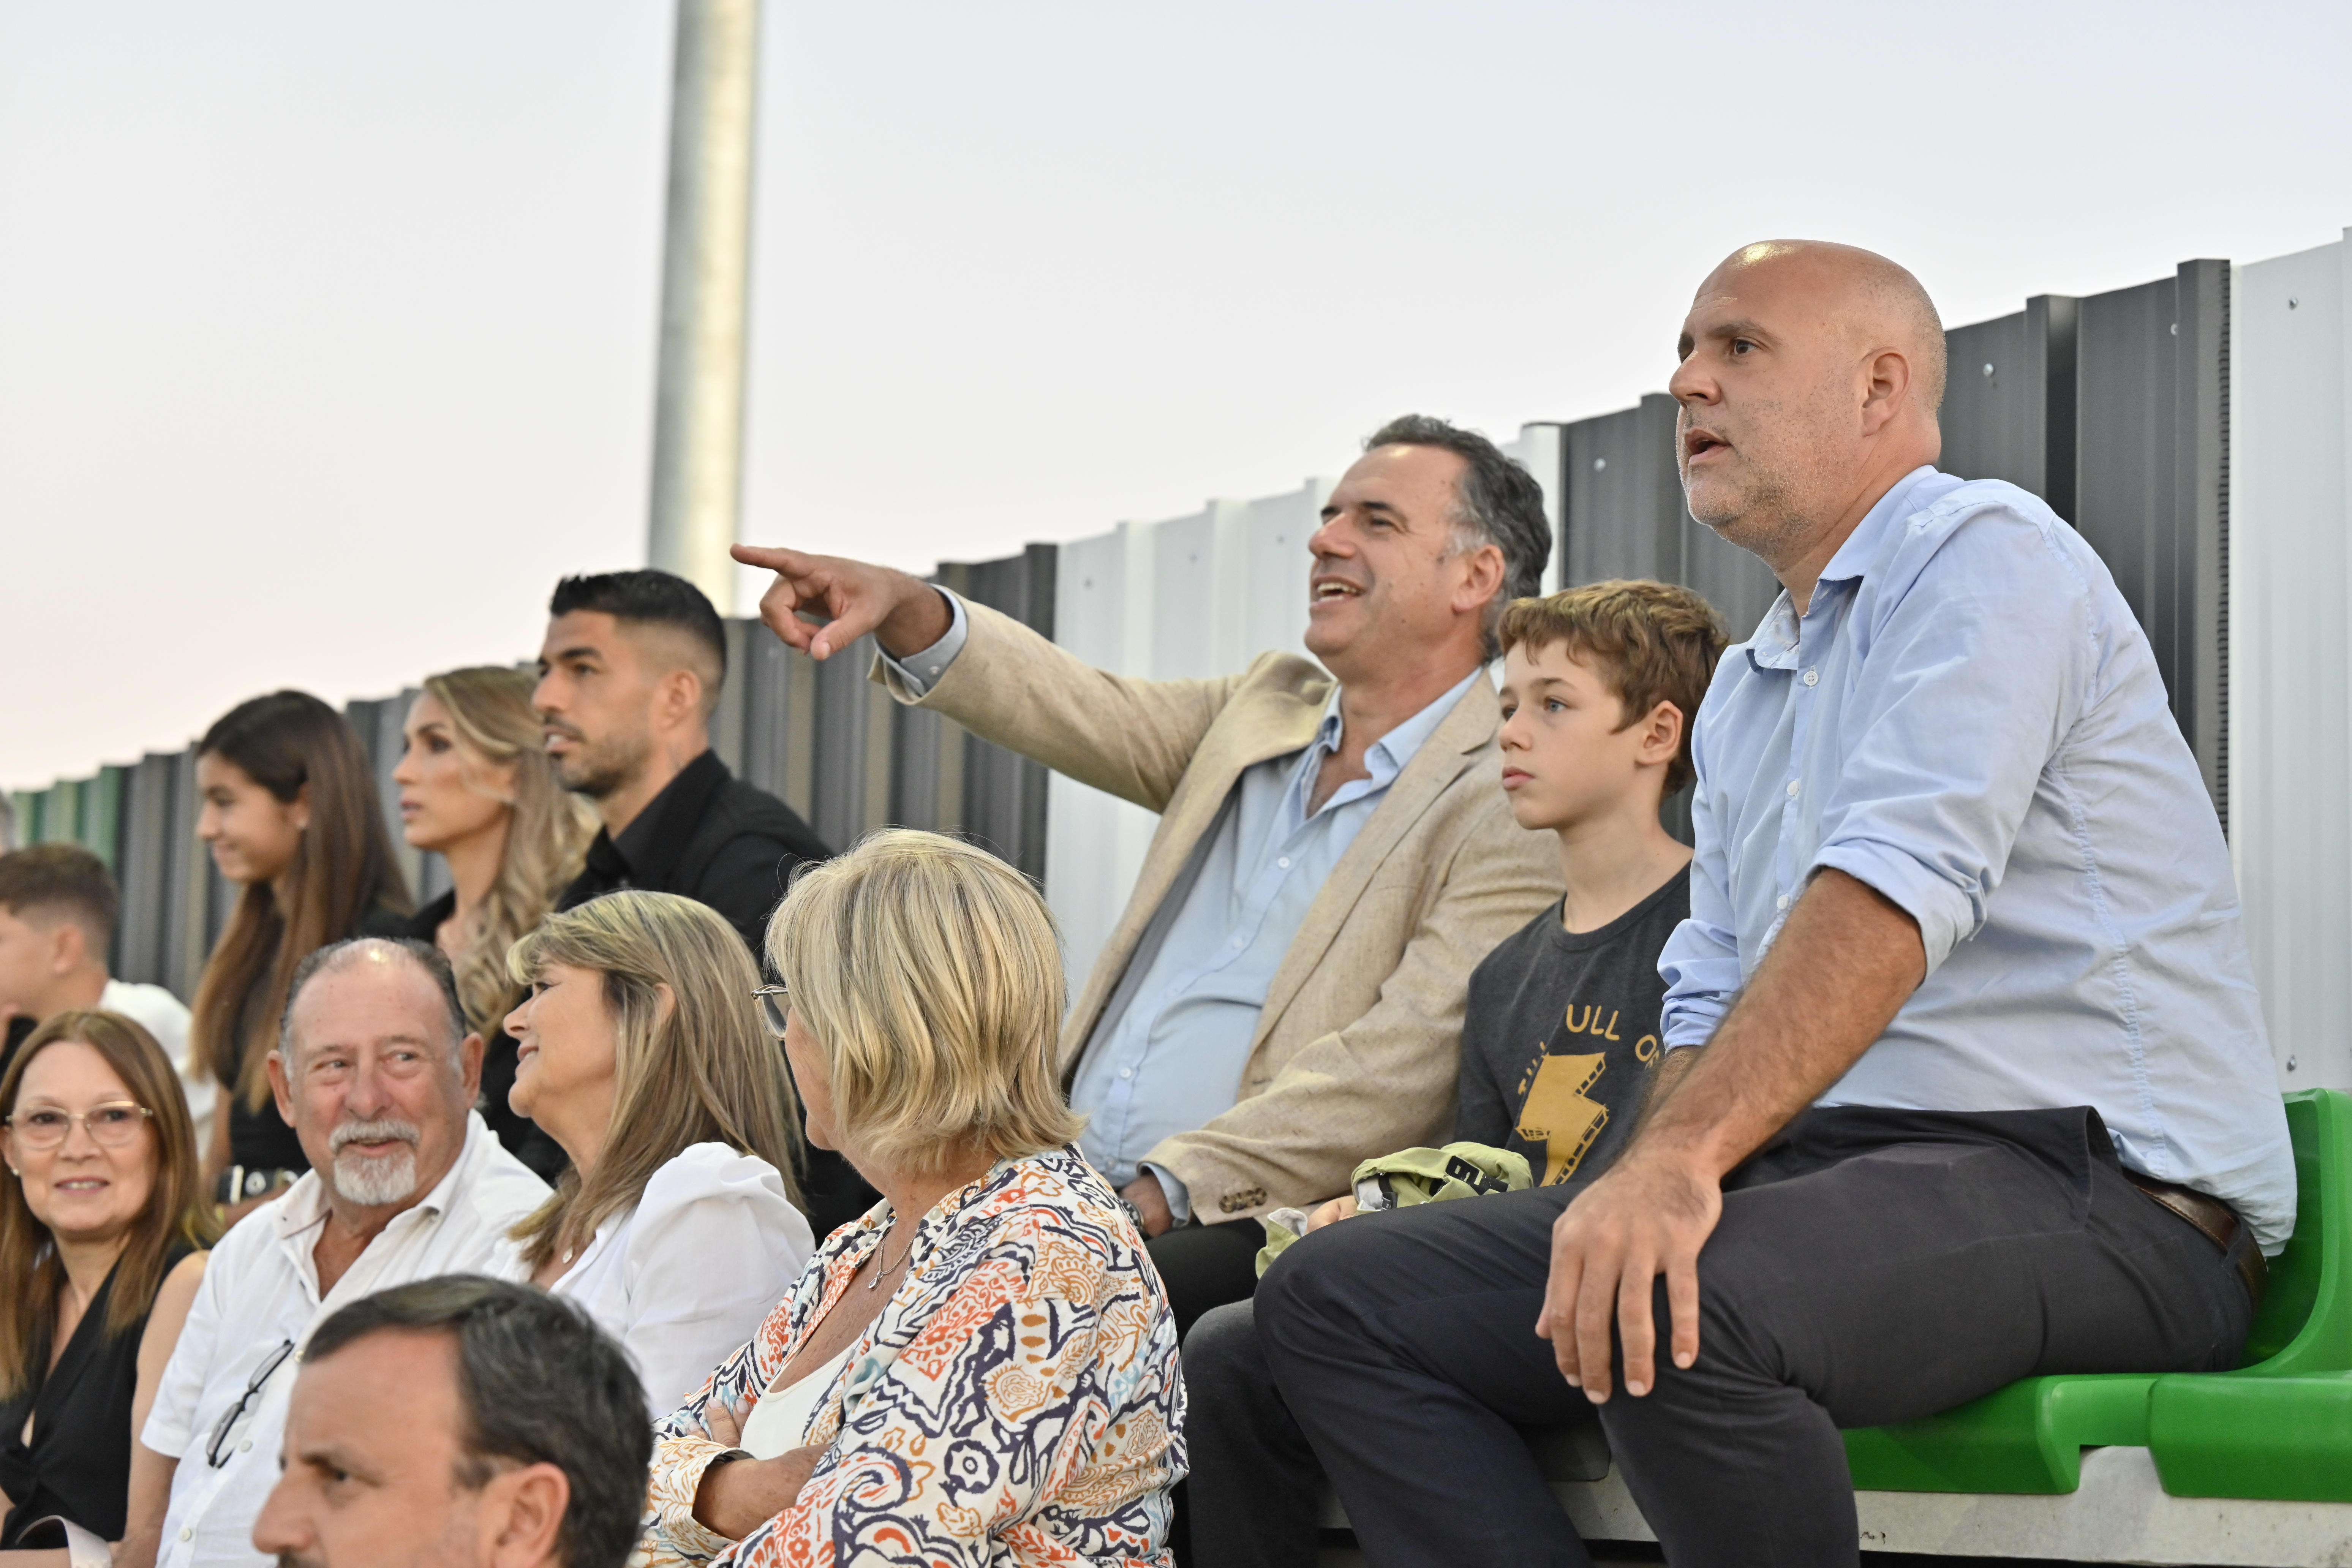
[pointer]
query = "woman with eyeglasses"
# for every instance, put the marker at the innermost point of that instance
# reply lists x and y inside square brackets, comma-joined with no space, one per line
[102,1227]
[639,1050]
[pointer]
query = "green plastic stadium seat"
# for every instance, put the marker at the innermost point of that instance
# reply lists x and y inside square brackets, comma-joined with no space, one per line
[2280,1426]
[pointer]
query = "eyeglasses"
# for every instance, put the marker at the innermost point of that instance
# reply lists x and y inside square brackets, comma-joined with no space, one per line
[111,1126]
[775,1003]
[218,1452]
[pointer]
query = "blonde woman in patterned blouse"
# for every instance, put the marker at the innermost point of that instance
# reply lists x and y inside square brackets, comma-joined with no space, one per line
[981,1370]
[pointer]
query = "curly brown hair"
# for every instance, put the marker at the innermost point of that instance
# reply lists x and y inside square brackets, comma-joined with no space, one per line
[1651,642]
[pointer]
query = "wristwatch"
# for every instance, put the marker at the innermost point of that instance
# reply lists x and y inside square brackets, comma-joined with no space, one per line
[1134,1213]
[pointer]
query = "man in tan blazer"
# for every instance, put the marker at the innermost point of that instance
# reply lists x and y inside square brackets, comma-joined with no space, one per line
[1283,997]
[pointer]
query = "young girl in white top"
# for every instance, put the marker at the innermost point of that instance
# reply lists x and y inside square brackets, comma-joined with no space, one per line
[640,1050]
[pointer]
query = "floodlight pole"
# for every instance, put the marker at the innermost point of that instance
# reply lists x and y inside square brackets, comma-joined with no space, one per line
[698,474]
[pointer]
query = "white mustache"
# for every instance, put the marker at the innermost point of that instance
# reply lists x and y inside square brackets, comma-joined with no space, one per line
[373,1133]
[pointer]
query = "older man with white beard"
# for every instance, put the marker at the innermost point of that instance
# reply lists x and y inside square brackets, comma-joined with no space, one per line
[376,1072]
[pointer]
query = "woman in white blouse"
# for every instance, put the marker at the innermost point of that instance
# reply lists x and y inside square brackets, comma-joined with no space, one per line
[640,1050]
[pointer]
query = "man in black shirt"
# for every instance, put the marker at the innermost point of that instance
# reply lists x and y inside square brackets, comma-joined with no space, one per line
[1560,1033]
[629,675]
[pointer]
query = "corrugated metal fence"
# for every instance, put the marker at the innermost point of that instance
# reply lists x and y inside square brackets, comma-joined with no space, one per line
[2115,407]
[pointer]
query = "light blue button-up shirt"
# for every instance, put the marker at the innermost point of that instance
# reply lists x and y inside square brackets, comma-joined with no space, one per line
[1174,1060]
[1969,719]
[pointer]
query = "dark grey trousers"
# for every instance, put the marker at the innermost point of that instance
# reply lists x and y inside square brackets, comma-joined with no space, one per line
[1250,1499]
[1869,1266]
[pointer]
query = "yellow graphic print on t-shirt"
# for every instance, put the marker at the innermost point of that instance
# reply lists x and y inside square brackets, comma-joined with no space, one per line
[1556,1110]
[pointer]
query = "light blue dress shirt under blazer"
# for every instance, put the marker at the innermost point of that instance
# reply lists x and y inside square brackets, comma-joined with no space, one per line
[1174,1063]
[1970,719]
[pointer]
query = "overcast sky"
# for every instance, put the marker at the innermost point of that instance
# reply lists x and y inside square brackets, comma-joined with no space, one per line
[327,330]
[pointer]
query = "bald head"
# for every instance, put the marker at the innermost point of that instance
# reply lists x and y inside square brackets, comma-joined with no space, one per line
[1809,381]
[1877,301]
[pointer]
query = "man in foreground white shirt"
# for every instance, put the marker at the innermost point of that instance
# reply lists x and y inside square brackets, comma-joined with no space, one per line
[376,1072]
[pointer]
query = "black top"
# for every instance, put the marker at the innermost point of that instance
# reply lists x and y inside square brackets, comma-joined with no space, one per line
[713,838]
[1559,1035]
[522,1136]
[260,1139]
[710,837]
[78,1464]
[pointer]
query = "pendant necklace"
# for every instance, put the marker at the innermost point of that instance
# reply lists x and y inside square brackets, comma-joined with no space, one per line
[880,1268]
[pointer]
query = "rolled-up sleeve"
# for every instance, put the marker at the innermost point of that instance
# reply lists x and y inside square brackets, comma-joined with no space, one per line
[1975,671]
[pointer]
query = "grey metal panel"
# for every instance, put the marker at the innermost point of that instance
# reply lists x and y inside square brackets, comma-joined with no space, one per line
[2150,479]
[2201,477]
[777,715]
[727,719]
[842,741]
[1004,805]
[191,898]
[379,722]
[143,873]
[2010,400]
[1622,503]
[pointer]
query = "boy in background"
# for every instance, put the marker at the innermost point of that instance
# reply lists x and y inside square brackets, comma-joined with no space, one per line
[1561,1033]
[57,904]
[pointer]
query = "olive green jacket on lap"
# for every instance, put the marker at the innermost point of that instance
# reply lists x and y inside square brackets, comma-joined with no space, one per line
[1358,1048]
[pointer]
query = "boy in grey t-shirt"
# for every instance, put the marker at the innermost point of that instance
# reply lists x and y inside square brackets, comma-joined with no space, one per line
[1560,1030]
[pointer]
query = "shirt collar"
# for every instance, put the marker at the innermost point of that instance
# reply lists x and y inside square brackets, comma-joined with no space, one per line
[1774,647]
[1867,544]
[1386,757]
[305,1203]
[647,850]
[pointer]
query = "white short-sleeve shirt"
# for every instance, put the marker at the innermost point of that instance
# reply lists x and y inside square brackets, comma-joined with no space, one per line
[684,1279]
[260,1292]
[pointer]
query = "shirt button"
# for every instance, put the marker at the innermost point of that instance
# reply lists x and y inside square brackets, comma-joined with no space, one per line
[1129,1072]
[1792,787]
[1782,902]
[245,1446]
[1237,944]
[1284,863]
[187,1534]
[1812,678]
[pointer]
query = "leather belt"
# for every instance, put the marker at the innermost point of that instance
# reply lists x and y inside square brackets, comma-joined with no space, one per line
[2218,1223]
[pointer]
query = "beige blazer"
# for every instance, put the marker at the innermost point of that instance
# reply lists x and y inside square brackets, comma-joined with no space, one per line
[1358,1048]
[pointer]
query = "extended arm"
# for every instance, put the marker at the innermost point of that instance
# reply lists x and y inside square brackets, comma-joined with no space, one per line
[1129,738]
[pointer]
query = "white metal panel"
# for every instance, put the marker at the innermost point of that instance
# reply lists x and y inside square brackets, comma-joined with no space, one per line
[2290,656]
[1270,580]
[1537,450]
[1194,625]
[1094,842]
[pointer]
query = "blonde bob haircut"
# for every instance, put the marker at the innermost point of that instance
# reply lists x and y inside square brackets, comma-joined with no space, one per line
[702,1070]
[929,974]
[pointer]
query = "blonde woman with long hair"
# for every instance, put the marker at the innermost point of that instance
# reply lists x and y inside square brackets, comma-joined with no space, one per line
[476,788]
[642,1054]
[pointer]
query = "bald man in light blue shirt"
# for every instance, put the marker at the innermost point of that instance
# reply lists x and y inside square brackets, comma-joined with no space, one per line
[1967,1078]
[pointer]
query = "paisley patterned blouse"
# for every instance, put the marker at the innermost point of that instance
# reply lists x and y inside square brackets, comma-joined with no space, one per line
[1016,1403]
